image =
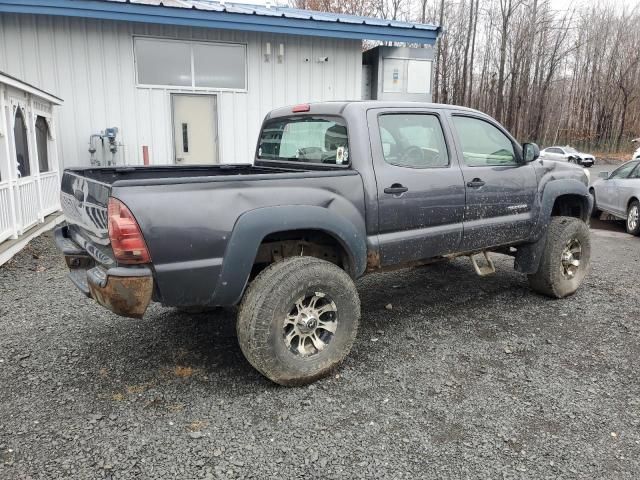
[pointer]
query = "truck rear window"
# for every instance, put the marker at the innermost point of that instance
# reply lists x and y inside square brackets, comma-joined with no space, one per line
[305,139]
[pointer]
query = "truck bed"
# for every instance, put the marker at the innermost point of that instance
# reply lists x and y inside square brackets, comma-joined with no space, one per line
[187,215]
[110,175]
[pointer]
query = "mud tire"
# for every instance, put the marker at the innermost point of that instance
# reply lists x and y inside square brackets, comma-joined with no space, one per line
[269,299]
[550,280]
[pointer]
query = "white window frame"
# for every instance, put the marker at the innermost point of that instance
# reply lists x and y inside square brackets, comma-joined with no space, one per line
[429,77]
[193,77]
[405,75]
[402,73]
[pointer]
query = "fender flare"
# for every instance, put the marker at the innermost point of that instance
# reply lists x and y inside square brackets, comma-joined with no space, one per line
[528,257]
[555,189]
[253,226]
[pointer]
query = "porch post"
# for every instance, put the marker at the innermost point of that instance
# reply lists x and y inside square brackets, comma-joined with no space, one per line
[6,127]
[35,163]
[53,152]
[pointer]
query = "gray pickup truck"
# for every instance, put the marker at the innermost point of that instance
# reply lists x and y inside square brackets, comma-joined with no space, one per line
[336,190]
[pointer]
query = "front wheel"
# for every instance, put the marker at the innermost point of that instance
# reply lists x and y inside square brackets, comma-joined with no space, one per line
[595,213]
[565,260]
[633,218]
[298,320]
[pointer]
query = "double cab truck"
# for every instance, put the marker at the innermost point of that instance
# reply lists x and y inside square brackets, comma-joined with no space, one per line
[337,190]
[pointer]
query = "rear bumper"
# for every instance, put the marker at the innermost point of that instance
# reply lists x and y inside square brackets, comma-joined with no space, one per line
[126,291]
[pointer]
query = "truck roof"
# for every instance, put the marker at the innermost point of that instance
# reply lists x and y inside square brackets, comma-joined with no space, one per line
[338,107]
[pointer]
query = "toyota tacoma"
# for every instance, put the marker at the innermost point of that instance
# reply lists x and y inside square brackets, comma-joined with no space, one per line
[336,190]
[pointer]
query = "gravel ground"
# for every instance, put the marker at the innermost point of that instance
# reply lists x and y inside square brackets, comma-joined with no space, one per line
[464,377]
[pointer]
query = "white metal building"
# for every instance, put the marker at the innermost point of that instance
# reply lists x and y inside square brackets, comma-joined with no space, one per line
[29,179]
[183,81]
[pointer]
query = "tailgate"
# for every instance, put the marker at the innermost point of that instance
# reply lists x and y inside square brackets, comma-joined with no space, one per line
[84,241]
[84,203]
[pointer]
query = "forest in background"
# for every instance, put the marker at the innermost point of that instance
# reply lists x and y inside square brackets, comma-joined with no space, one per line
[568,76]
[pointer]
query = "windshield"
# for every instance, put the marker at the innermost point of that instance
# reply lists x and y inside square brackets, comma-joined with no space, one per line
[305,139]
[570,150]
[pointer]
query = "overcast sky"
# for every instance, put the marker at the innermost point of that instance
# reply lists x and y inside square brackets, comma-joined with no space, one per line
[564,4]
[558,4]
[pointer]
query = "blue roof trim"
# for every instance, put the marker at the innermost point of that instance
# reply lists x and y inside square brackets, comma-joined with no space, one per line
[276,20]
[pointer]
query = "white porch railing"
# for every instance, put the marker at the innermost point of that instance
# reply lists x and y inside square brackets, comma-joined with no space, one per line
[29,203]
[25,201]
[6,222]
[50,187]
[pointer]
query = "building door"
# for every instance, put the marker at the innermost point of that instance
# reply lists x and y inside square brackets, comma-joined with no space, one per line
[195,129]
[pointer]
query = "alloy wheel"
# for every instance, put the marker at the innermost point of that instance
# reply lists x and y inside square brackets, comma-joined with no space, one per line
[571,258]
[633,217]
[311,324]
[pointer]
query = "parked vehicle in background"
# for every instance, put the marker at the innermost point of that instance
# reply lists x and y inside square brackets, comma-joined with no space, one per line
[568,154]
[636,154]
[618,193]
[337,190]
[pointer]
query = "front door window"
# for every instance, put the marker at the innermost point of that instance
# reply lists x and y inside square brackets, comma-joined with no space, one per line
[623,171]
[483,144]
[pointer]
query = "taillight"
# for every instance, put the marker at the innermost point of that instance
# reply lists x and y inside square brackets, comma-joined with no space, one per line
[126,238]
[303,107]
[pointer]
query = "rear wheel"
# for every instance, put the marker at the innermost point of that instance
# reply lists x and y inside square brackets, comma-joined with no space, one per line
[633,218]
[298,320]
[565,260]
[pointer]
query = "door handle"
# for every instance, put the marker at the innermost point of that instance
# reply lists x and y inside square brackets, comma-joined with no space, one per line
[475,183]
[395,189]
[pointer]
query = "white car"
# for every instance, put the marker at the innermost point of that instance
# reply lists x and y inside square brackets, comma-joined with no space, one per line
[568,154]
[618,193]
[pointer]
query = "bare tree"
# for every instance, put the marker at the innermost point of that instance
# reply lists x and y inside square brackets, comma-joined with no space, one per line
[436,80]
[570,76]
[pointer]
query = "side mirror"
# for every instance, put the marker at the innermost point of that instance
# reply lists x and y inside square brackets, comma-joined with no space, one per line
[530,152]
[603,174]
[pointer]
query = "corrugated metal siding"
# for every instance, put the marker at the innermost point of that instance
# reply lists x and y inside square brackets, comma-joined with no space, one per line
[89,63]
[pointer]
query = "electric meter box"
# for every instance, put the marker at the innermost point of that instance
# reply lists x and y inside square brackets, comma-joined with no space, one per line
[397,74]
